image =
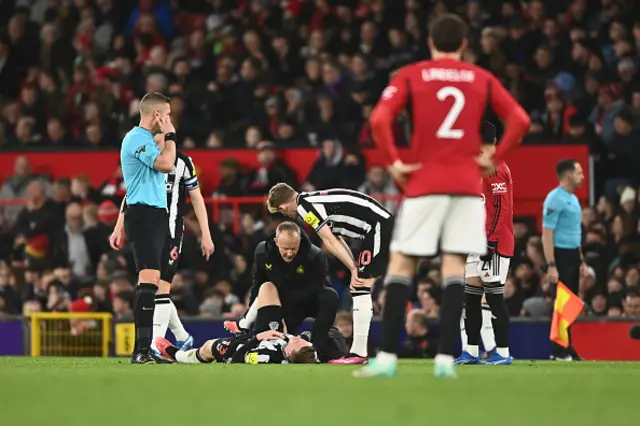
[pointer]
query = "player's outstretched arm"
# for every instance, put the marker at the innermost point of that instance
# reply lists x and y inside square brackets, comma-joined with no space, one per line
[199,207]
[340,251]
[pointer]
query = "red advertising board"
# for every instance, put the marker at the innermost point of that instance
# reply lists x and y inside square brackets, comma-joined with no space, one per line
[605,341]
[533,167]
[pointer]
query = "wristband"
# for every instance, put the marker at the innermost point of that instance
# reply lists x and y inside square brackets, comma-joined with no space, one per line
[170,136]
[551,265]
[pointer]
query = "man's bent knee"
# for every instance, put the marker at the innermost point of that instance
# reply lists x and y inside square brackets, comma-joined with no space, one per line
[149,276]
[268,295]
[328,297]
[401,265]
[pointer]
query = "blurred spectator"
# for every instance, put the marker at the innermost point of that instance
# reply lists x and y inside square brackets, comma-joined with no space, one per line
[380,183]
[419,343]
[270,171]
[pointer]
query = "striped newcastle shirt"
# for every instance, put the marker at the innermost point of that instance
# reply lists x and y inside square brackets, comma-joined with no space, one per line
[348,213]
[180,180]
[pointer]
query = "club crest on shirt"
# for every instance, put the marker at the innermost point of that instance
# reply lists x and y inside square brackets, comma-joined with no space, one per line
[300,269]
[274,325]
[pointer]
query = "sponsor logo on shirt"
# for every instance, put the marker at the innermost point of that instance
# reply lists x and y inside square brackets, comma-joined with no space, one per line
[499,188]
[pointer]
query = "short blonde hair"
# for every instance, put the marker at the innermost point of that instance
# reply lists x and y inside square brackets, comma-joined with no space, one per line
[279,194]
[151,100]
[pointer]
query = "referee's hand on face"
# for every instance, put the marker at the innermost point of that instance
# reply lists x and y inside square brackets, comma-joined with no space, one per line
[165,124]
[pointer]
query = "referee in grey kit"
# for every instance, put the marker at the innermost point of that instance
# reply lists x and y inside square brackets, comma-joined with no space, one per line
[145,220]
[562,236]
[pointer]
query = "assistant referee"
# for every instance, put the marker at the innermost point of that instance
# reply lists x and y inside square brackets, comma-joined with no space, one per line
[562,236]
[145,220]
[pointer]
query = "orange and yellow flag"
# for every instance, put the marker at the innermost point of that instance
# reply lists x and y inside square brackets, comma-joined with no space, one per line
[565,311]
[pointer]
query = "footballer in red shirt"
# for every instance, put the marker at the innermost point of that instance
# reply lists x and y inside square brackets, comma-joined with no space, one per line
[446,100]
[486,274]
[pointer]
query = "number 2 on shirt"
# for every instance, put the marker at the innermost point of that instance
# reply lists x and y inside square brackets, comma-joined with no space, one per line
[446,130]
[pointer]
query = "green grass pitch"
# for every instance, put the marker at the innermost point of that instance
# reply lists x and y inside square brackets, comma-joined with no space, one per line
[111,392]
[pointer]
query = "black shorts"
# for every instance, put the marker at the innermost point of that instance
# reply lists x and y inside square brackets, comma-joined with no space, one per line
[146,229]
[269,318]
[373,258]
[171,251]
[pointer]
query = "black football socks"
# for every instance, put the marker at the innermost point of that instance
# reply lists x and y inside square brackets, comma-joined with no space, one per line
[395,305]
[450,313]
[144,307]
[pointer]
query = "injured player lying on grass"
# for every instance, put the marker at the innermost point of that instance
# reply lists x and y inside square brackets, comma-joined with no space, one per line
[270,345]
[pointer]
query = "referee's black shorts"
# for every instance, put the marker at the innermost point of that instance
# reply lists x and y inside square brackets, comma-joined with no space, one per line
[146,229]
[568,265]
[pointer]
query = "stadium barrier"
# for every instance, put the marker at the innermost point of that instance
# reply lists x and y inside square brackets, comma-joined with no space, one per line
[70,334]
[532,166]
[606,340]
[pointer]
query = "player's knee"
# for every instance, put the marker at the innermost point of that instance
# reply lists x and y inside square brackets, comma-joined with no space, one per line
[474,282]
[206,350]
[401,265]
[149,276]
[453,265]
[495,288]
[328,297]
[164,287]
[268,295]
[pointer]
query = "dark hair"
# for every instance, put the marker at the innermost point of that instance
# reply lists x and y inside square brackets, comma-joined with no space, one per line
[488,131]
[632,294]
[565,166]
[448,33]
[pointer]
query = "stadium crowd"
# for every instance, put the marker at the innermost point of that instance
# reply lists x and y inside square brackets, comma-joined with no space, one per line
[271,75]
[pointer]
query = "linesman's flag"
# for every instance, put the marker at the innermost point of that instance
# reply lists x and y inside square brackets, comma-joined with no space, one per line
[565,311]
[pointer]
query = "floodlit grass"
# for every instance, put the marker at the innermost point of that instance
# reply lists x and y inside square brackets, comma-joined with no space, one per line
[101,392]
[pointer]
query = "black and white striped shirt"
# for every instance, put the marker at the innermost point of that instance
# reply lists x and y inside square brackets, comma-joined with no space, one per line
[179,180]
[348,213]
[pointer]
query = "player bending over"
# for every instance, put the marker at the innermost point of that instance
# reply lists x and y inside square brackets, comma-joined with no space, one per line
[180,180]
[445,100]
[271,345]
[487,274]
[338,213]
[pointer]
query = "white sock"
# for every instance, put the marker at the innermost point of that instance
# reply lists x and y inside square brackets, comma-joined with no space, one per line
[443,359]
[250,316]
[188,357]
[463,333]
[362,315]
[472,350]
[175,325]
[386,358]
[503,352]
[161,315]
[486,332]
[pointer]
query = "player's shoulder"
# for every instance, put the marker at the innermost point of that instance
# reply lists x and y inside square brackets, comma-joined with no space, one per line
[261,249]
[182,156]
[556,195]
[504,171]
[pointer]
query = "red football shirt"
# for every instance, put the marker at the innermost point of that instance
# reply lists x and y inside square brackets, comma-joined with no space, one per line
[446,100]
[498,200]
